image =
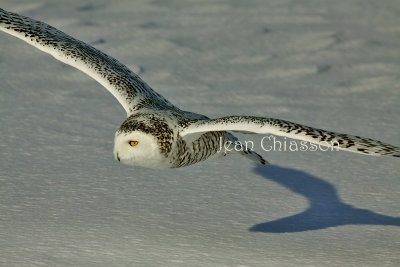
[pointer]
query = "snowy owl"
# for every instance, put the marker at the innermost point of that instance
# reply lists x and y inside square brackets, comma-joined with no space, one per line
[157,134]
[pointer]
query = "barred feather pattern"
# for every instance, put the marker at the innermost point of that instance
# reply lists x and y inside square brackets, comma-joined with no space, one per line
[179,138]
[130,90]
[289,129]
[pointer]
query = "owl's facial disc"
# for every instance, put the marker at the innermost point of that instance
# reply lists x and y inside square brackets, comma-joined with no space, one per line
[138,148]
[132,143]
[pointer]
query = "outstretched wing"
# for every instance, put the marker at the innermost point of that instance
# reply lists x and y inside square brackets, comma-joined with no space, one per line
[130,90]
[261,125]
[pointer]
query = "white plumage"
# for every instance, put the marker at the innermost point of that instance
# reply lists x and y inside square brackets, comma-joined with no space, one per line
[156,134]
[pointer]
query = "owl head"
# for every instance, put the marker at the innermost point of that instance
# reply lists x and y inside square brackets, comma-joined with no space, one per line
[144,140]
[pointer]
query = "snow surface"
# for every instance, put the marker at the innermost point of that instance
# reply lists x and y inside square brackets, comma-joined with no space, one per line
[64,200]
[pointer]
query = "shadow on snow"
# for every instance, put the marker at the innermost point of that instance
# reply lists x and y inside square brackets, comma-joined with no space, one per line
[325,208]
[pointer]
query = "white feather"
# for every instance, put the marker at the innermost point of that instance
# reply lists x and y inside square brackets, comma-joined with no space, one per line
[126,86]
[261,125]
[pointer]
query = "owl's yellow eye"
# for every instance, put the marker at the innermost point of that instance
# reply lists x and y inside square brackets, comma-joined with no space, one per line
[133,143]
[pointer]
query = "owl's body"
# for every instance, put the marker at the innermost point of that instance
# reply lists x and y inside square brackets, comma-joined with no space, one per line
[157,134]
[174,151]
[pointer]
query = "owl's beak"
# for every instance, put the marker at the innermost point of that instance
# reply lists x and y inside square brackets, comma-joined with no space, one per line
[118,158]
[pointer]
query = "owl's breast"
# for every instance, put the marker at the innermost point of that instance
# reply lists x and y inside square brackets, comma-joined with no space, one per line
[207,145]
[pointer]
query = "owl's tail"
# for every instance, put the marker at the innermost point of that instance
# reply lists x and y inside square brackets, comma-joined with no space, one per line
[250,154]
